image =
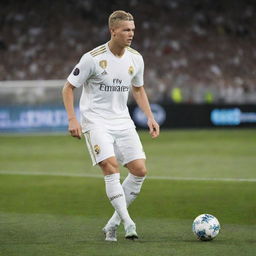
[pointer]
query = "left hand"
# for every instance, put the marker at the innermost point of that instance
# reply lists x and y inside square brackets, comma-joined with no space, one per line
[154,129]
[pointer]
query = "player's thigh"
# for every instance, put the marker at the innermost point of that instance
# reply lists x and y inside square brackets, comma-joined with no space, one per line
[100,145]
[128,146]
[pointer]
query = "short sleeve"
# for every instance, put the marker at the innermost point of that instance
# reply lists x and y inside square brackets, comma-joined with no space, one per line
[82,71]
[138,79]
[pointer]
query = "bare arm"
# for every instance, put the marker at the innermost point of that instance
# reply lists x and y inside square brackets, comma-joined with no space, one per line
[68,99]
[141,98]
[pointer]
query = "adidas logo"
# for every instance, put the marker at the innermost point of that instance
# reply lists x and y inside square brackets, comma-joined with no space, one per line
[104,72]
[116,196]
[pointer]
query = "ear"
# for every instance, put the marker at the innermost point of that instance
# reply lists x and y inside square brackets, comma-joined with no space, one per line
[112,31]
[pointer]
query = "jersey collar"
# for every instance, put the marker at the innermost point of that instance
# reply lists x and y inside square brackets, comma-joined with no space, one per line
[111,53]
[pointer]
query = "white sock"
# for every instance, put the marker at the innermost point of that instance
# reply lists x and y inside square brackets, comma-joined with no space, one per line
[131,186]
[116,196]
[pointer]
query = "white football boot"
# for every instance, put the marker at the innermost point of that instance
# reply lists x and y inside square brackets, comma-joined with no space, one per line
[130,232]
[110,233]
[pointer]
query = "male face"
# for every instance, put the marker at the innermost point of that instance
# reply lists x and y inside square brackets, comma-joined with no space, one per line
[123,32]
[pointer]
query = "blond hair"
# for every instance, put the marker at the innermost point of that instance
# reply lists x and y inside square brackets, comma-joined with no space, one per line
[118,16]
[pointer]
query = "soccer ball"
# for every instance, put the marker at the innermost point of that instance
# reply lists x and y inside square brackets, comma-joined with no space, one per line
[206,227]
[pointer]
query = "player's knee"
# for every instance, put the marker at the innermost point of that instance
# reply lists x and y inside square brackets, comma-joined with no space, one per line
[141,171]
[109,166]
[137,168]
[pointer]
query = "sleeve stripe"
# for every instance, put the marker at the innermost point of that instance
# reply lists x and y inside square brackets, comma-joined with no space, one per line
[100,49]
[98,53]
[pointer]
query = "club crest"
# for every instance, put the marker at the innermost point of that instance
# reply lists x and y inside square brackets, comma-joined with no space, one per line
[131,70]
[96,149]
[103,64]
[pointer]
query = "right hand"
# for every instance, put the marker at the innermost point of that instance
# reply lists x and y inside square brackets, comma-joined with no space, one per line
[75,128]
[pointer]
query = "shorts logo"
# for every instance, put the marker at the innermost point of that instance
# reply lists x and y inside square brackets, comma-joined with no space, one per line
[76,72]
[131,70]
[96,149]
[103,64]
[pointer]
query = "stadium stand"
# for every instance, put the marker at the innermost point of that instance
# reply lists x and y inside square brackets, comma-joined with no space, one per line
[205,48]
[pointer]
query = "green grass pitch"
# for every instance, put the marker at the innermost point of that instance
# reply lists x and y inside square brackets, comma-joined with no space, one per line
[53,202]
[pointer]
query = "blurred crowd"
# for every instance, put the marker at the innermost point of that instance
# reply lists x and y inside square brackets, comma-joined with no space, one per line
[200,51]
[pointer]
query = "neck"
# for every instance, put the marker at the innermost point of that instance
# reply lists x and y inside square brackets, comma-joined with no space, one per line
[116,49]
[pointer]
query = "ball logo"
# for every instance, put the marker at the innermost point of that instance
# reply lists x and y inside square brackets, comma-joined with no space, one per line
[76,72]
[96,149]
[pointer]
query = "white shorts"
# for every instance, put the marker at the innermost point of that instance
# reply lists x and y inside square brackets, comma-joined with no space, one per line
[125,145]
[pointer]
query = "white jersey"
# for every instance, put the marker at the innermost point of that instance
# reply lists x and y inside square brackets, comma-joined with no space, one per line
[106,81]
